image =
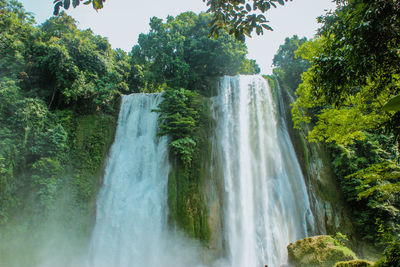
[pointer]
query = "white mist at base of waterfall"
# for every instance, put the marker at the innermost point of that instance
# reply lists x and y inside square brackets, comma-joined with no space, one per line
[266,203]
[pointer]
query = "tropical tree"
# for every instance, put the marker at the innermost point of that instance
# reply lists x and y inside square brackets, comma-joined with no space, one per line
[354,72]
[50,76]
[362,49]
[178,53]
[288,66]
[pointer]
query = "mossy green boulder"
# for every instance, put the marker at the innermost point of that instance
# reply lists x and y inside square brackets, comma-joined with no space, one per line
[354,263]
[318,251]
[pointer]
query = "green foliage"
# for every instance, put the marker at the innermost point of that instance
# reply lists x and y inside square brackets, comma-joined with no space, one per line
[16,32]
[288,66]
[341,239]
[381,179]
[10,153]
[37,151]
[391,256]
[187,205]
[178,53]
[178,118]
[342,123]
[240,18]
[59,90]
[364,171]
[393,104]
[90,73]
[184,147]
[178,112]
[185,118]
[58,4]
[45,173]
[93,136]
[354,57]
[352,76]
[63,66]
[31,141]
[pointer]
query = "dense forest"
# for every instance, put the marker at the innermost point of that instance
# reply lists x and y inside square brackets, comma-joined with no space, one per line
[60,91]
[342,80]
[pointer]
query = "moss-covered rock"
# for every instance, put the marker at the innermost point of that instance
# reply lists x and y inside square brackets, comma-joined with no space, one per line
[354,263]
[186,181]
[318,251]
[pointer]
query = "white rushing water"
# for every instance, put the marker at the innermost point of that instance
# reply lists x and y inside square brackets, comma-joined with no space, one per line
[265,207]
[266,202]
[131,221]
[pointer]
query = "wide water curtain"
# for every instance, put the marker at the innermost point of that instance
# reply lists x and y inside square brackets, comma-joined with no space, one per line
[266,202]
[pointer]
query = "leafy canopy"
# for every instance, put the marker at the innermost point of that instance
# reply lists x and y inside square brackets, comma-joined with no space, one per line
[362,49]
[50,75]
[354,71]
[288,66]
[178,53]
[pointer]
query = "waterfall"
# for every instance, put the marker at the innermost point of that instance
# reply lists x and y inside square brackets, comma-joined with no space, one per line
[265,199]
[131,221]
[266,202]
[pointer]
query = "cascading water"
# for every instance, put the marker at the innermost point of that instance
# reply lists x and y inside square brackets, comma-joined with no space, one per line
[266,202]
[131,224]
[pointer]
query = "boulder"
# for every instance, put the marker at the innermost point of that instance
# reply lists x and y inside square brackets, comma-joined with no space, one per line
[318,251]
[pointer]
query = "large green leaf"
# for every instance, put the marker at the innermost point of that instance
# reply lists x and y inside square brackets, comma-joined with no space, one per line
[393,104]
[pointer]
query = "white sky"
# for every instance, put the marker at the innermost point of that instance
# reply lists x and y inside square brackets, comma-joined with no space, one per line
[121,21]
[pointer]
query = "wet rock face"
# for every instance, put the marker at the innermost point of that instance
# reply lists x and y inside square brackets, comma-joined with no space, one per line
[326,200]
[318,251]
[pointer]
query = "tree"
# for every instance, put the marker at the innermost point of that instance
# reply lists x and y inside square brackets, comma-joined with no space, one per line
[59,63]
[363,45]
[288,66]
[178,53]
[81,67]
[28,133]
[16,35]
[354,71]
[57,89]
[355,66]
